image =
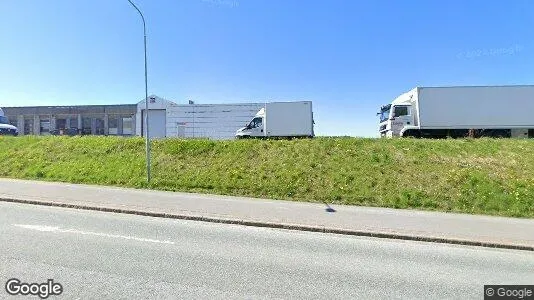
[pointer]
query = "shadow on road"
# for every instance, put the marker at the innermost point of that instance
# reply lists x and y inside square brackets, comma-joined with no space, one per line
[329,208]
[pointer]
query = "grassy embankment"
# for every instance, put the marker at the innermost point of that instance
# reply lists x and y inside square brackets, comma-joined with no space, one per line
[494,177]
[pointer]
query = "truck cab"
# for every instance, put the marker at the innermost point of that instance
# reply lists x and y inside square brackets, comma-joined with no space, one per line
[397,117]
[5,127]
[254,128]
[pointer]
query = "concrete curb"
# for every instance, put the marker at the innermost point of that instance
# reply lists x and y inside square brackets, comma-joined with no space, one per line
[277,225]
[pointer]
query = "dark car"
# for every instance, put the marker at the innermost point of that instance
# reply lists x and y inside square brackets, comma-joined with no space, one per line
[6,128]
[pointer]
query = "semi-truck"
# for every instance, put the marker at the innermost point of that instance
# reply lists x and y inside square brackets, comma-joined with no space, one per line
[280,119]
[461,111]
[5,127]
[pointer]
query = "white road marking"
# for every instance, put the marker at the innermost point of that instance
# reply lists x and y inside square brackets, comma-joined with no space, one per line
[45,228]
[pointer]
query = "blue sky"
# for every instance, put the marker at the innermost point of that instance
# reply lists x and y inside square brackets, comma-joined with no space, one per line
[347,56]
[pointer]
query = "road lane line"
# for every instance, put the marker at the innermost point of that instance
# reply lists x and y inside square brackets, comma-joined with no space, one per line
[45,228]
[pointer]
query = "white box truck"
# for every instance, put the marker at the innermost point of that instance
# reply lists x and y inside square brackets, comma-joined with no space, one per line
[476,111]
[5,127]
[280,119]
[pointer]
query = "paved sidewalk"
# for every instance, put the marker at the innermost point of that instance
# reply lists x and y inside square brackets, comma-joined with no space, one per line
[367,221]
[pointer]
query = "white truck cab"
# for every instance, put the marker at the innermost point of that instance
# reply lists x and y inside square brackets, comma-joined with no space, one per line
[5,127]
[397,117]
[254,128]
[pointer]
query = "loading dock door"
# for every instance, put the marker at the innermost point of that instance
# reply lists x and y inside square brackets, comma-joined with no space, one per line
[157,122]
[181,129]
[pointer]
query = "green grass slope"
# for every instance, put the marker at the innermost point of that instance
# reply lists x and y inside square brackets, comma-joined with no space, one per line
[485,176]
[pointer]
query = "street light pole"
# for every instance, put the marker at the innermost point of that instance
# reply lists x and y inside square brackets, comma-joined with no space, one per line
[147,136]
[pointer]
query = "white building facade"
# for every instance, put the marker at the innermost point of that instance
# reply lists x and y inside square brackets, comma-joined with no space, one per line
[212,121]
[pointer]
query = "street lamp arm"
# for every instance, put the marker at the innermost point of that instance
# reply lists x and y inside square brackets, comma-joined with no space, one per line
[140,13]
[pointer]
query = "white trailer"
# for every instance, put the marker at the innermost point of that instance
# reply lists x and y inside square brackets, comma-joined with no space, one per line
[477,111]
[5,127]
[281,119]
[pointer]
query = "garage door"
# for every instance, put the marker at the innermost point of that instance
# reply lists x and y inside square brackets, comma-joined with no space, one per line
[157,122]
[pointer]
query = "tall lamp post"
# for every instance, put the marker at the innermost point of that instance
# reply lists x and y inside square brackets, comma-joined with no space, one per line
[147,136]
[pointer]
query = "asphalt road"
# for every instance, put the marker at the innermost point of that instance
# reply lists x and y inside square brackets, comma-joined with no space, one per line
[97,255]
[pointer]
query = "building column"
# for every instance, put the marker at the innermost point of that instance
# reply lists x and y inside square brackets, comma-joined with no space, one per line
[20,124]
[134,124]
[93,126]
[106,124]
[79,123]
[119,126]
[36,125]
[67,123]
[52,123]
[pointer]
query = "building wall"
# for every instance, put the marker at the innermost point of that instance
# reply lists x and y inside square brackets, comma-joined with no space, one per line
[213,121]
[88,119]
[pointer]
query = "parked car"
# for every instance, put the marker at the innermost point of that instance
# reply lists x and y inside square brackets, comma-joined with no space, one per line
[5,127]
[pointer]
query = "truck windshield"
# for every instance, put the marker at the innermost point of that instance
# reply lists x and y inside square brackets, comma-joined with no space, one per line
[384,113]
[4,120]
[256,122]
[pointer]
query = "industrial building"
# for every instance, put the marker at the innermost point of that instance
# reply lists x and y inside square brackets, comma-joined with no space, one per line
[166,119]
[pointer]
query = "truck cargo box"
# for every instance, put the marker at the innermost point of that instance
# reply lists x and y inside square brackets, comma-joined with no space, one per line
[288,119]
[476,107]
